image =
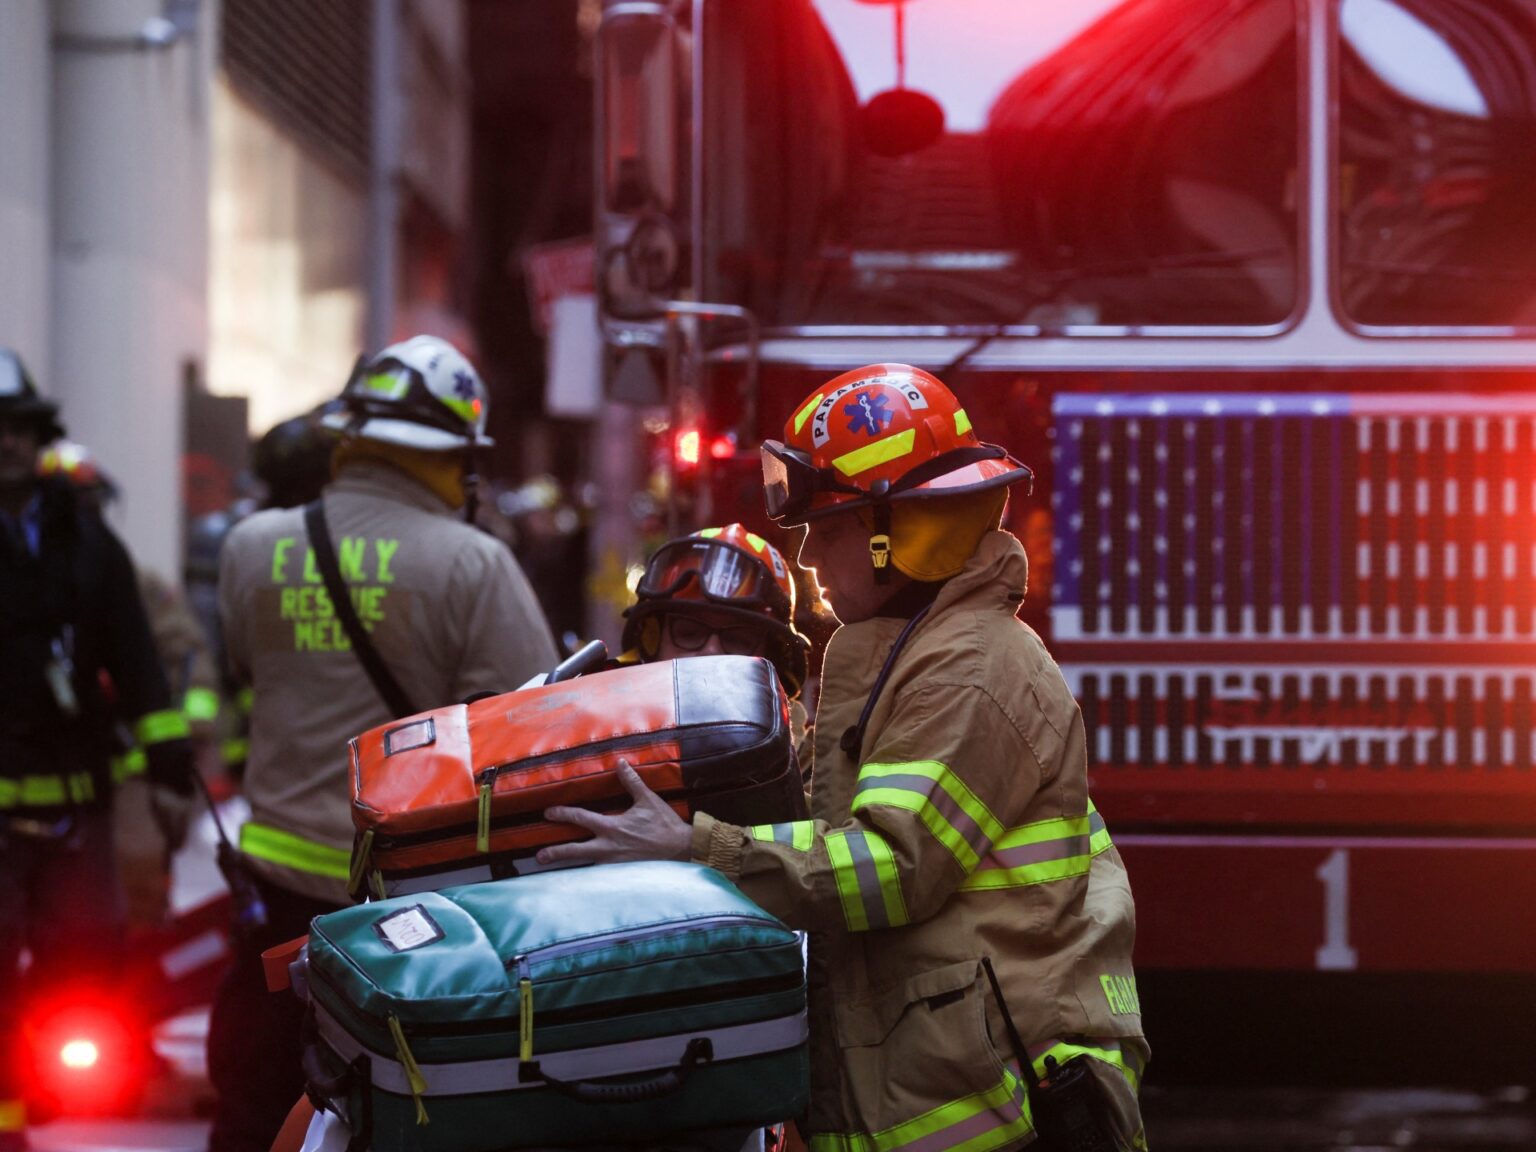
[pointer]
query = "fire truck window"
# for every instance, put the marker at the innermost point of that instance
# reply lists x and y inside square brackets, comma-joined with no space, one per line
[1436,189]
[1106,162]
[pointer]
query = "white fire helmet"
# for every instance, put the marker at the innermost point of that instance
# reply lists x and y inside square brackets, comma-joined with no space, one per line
[421,393]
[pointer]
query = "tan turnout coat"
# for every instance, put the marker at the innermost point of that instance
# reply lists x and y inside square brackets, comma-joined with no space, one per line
[963,831]
[446,605]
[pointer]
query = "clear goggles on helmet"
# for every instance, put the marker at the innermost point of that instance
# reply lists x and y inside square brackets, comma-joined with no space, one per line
[711,571]
[398,392]
[791,482]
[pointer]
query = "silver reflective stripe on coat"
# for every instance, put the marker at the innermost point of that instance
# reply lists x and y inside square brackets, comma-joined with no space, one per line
[653,1055]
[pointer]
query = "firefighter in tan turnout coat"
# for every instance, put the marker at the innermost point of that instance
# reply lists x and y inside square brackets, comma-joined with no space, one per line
[953,824]
[450,615]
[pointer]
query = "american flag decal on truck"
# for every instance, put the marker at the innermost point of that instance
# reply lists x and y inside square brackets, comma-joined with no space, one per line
[1300,582]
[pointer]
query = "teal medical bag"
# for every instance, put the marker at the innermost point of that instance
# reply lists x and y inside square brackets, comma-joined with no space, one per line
[616,1004]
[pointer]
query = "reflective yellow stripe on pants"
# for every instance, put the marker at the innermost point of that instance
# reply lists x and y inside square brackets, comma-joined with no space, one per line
[978,1123]
[263,842]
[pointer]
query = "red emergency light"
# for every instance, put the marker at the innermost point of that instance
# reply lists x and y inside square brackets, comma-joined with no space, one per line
[87,1056]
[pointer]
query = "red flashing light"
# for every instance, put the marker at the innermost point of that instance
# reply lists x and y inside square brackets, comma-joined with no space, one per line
[88,1056]
[685,448]
[80,1053]
[722,447]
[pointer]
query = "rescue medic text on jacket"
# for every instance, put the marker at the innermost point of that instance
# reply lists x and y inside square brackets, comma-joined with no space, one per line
[446,606]
[964,830]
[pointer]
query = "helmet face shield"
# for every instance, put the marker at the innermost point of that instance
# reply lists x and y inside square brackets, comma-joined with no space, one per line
[711,572]
[398,391]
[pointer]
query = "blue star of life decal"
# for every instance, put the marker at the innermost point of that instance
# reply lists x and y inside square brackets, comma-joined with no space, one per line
[463,385]
[869,414]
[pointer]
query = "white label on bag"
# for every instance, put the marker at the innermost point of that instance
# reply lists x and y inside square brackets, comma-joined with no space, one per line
[411,928]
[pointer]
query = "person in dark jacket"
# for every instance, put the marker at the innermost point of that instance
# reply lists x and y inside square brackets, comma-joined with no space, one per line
[77,665]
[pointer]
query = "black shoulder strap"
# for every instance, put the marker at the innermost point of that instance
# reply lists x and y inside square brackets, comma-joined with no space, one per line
[362,644]
[852,742]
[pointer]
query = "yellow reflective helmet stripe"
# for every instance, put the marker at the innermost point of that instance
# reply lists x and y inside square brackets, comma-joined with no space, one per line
[757,542]
[1047,850]
[977,1123]
[279,847]
[43,791]
[158,727]
[962,422]
[805,413]
[708,533]
[868,885]
[799,835]
[893,447]
[954,814]
[201,704]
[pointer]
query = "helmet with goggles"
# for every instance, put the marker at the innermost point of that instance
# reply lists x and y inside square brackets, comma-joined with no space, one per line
[878,435]
[729,571]
[421,393]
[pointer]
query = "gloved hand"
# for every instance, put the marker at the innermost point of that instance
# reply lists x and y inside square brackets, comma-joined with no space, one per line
[173,815]
[169,765]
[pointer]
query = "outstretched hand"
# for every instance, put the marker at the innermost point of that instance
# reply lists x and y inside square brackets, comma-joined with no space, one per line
[647,830]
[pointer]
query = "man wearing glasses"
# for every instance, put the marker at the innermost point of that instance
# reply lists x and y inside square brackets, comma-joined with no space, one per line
[721,591]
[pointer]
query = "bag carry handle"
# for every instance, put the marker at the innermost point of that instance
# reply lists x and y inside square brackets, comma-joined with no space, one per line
[699,1051]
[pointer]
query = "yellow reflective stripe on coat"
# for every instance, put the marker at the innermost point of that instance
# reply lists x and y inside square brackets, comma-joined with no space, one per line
[201,704]
[1046,850]
[951,811]
[800,835]
[158,727]
[235,749]
[130,764]
[244,699]
[864,868]
[278,847]
[41,791]
[977,1123]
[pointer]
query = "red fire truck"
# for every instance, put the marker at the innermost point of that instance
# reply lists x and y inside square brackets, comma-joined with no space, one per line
[1252,285]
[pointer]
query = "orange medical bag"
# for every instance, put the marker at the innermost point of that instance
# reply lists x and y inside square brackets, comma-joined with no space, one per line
[457,795]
